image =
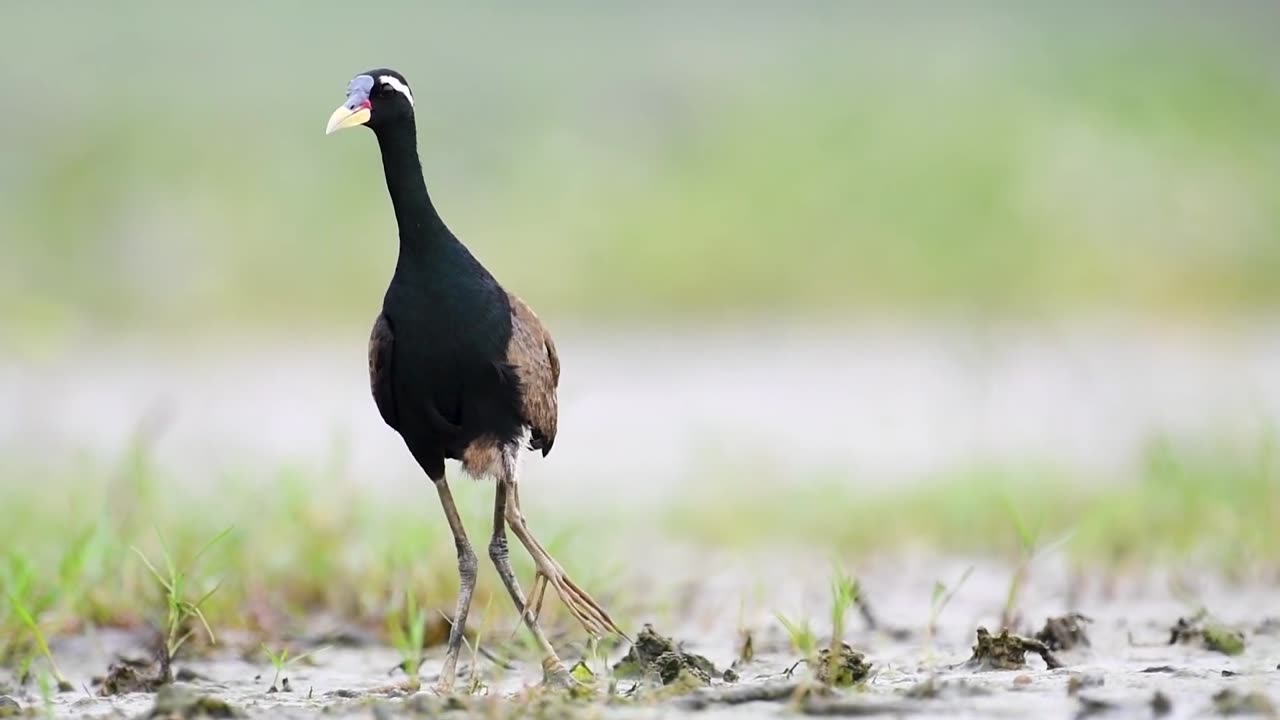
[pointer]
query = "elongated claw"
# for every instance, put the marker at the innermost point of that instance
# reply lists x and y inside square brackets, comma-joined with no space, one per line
[582,606]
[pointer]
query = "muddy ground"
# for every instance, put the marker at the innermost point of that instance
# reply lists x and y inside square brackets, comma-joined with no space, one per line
[1129,669]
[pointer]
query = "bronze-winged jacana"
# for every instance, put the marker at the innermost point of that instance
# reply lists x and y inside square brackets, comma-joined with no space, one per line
[462,369]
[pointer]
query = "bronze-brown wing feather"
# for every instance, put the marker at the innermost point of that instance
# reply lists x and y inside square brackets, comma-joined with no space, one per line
[532,355]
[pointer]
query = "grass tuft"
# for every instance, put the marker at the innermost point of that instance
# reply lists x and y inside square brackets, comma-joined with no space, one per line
[408,633]
[180,609]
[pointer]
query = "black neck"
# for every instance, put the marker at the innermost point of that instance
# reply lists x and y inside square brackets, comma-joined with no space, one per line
[417,217]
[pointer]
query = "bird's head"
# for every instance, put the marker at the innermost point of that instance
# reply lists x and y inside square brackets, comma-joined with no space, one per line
[377,98]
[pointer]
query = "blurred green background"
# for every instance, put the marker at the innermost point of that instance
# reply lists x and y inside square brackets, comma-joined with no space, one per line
[164,166]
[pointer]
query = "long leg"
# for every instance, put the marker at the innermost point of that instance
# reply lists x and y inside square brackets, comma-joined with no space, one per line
[466,586]
[583,607]
[552,668]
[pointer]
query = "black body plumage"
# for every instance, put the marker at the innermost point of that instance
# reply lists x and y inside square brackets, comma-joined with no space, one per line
[439,367]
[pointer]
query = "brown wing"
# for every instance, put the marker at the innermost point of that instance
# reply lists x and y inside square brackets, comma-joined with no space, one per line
[532,355]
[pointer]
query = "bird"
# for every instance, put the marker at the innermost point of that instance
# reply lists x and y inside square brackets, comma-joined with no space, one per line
[463,370]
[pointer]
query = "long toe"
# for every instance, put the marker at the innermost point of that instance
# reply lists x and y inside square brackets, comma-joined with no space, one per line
[584,608]
[580,610]
[592,608]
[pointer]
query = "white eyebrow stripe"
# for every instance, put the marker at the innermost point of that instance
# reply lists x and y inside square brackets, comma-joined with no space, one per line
[394,83]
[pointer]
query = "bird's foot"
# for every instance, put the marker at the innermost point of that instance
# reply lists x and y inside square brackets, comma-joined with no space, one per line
[594,618]
[555,676]
[444,684]
[581,605]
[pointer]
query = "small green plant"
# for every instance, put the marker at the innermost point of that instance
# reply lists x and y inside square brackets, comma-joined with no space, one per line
[600,659]
[45,683]
[1029,549]
[942,596]
[844,595]
[27,603]
[803,639]
[37,634]
[408,634]
[845,591]
[179,610]
[281,660]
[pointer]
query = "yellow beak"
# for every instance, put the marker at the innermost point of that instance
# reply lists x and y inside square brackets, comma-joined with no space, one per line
[345,117]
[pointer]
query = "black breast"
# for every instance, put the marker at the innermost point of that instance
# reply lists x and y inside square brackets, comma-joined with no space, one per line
[452,325]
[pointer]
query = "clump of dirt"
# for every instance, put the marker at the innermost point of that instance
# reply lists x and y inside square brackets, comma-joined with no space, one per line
[9,707]
[1007,652]
[178,702]
[1161,705]
[1202,629]
[1065,632]
[126,677]
[647,647]
[676,668]
[1230,702]
[660,655]
[843,669]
